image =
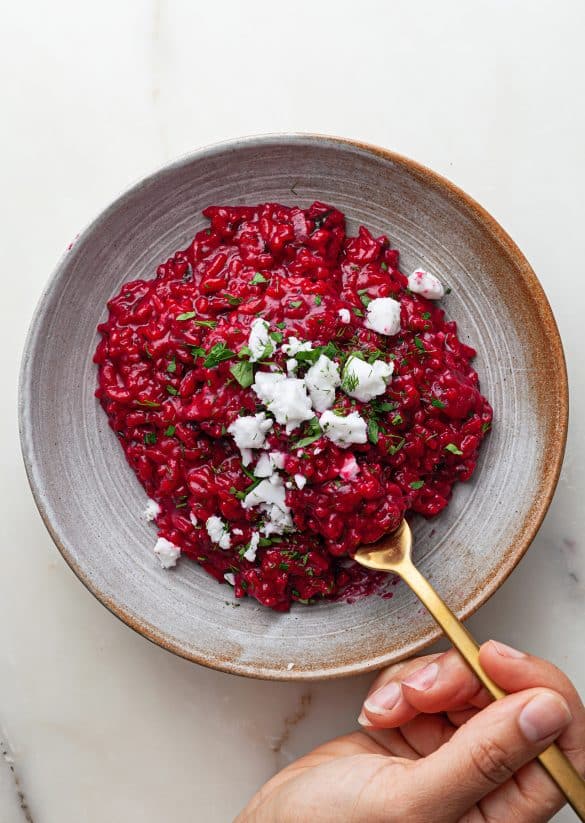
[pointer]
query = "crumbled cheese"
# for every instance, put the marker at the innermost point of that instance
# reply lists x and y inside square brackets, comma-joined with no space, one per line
[344,315]
[267,491]
[277,521]
[237,531]
[285,397]
[267,464]
[421,282]
[349,468]
[365,381]
[383,316]
[300,480]
[230,578]
[259,341]
[194,521]
[293,346]
[291,365]
[151,511]
[166,552]
[250,433]
[218,532]
[321,380]
[344,431]
[250,553]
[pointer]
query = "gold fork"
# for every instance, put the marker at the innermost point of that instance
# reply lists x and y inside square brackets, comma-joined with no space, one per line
[393,554]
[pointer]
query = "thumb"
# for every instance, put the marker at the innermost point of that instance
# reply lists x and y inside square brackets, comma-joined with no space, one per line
[486,751]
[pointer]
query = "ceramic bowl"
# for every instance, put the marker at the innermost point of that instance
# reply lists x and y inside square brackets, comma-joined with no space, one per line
[91,501]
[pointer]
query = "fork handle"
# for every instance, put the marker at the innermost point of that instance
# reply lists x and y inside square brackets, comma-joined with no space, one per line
[551,759]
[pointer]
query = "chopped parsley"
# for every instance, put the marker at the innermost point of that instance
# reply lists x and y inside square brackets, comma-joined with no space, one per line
[426,315]
[359,312]
[451,447]
[416,484]
[350,381]
[243,372]
[169,431]
[149,403]
[284,567]
[419,344]
[318,299]
[384,406]
[373,430]
[198,351]
[217,355]
[281,325]
[257,279]
[485,427]
[150,438]
[384,266]
[172,390]
[294,304]
[172,367]
[314,432]
[208,324]
[397,420]
[438,404]
[187,315]
[232,299]
[392,450]
[365,297]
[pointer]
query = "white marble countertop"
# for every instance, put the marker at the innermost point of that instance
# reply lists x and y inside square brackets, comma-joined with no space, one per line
[96,723]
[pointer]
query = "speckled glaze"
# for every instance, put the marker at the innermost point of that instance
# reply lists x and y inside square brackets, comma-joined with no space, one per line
[92,503]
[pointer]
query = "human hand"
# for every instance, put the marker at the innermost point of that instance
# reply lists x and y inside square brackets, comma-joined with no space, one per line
[434,748]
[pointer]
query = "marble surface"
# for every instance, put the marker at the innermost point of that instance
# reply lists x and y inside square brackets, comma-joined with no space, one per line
[97,724]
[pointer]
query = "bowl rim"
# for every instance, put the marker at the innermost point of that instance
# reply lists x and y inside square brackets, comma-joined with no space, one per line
[550,474]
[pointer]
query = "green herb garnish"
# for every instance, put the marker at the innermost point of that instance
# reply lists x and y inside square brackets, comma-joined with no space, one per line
[314,432]
[172,390]
[451,447]
[438,404]
[187,315]
[243,372]
[169,431]
[294,304]
[208,324]
[150,438]
[150,403]
[416,484]
[318,299]
[419,344]
[172,367]
[373,430]
[217,355]
[384,266]
[257,279]
[397,420]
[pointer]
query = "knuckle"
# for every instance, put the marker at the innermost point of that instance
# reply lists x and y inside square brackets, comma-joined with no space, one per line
[490,762]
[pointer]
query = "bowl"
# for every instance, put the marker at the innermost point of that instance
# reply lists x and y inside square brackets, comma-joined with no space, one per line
[91,501]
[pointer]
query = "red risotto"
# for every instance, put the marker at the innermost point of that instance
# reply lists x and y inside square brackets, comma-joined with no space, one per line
[284,393]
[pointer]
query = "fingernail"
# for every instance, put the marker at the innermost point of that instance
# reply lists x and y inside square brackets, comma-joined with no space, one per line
[543,716]
[506,651]
[423,679]
[383,699]
[363,720]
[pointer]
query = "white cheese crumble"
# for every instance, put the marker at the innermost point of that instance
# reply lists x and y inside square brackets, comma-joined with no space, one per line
[230,578]
[151,511]
[218,532]
[344,431]
[250,433]
[383,315]
[166,552]
[285,397]
[421,282]
[300,480]
[194,521]
[250,553]
[321,380]
[277,522]
[267,464]
[344,315]
[293,346]
[267,491]
[291,365]
[349,468]
[365,381]
[259,341]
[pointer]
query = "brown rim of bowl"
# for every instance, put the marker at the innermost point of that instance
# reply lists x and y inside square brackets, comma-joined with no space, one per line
[551,471]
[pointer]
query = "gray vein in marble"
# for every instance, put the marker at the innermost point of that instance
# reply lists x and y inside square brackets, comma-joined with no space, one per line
[571,554]
[155,85]
[278,742]
[7,755]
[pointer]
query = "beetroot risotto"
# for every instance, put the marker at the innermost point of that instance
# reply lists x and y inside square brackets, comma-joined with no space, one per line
[284,393]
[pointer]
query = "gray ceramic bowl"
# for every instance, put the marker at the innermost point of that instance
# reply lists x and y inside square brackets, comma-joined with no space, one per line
[92,503]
